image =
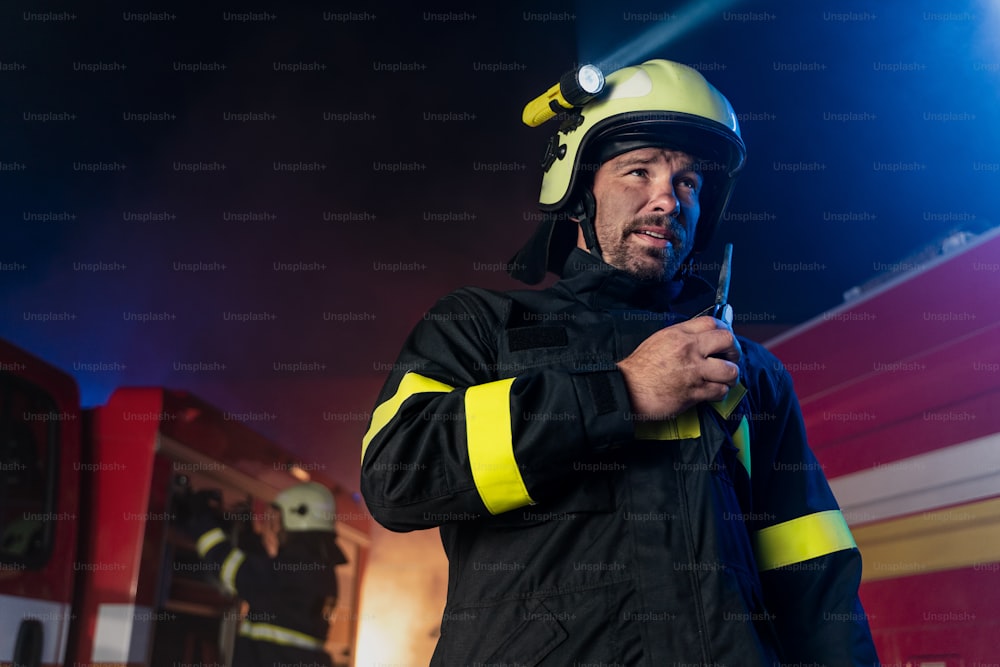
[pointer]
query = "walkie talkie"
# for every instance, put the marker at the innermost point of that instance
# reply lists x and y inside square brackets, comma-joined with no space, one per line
[721,310]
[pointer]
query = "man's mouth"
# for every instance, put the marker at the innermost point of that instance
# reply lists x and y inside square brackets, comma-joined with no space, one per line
[658,238]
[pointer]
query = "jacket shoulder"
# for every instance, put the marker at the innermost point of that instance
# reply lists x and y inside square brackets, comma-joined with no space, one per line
[499,304]
[763,368]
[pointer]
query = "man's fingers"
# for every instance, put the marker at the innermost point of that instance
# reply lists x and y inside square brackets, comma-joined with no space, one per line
[681,365]
[720,343]
[700,324]
[721,371]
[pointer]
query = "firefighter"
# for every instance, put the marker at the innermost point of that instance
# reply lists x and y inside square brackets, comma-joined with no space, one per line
[290,596]
[615,482]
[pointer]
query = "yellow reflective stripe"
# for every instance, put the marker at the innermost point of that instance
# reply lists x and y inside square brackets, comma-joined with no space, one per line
[741,439]
[684,425]
[230,566]
[801,539]
[276,634]
[209,540]
[491,447]
[412,383]
[726,406]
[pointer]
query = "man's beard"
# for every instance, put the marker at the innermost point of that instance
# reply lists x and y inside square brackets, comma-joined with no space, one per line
[668,259]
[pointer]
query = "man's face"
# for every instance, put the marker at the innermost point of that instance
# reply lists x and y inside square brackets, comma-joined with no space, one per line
[647,210]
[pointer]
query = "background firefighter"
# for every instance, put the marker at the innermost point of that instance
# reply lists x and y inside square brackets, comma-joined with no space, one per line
[291,591]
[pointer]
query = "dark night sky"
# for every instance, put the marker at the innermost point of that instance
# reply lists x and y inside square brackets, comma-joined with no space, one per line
[872,130]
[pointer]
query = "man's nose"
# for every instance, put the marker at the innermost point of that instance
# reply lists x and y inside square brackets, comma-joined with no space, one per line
[664,198]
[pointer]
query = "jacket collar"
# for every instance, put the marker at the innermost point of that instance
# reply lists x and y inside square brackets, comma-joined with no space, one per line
[602,287]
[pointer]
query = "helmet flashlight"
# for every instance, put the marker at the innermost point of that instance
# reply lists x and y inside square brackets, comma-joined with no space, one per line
[575,89]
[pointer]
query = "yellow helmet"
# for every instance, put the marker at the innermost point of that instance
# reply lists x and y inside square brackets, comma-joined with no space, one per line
[307,506]
[657,103]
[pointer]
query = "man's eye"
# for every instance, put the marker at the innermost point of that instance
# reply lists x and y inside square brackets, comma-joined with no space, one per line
[638,172]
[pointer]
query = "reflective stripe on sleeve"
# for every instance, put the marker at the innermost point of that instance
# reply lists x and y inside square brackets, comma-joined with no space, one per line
[209,540]
[412,383]
[491,447]
[230,567]
[275,634]
[802,539]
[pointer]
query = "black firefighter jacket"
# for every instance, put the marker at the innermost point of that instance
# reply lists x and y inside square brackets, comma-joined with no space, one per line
[578,536]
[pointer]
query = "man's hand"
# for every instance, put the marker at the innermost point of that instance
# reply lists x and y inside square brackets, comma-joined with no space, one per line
[680,366]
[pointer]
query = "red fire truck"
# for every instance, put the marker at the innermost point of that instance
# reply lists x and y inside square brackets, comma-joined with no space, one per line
[900,390]
[93,568]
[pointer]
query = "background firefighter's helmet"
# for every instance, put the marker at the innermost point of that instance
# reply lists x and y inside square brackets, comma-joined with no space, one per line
[307,506]
[658,103]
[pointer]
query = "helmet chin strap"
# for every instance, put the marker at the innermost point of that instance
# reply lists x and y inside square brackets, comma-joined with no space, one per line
[584,212]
